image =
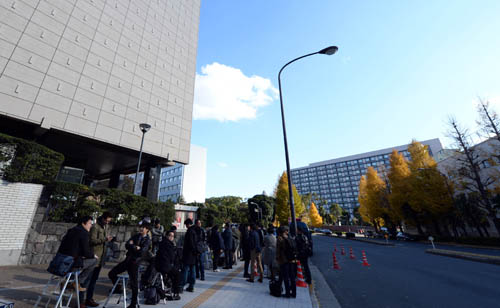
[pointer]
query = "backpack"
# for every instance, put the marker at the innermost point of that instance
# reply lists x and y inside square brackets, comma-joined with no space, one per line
[151,296]
[60,265]
[303,246]
[291,249]
[275,288]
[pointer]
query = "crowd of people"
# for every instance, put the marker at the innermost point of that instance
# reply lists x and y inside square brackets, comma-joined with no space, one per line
[183,260]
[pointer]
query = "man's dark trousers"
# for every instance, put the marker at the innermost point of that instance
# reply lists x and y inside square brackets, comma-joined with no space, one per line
[200,267]
[93,281]
[132,268]
[228,257]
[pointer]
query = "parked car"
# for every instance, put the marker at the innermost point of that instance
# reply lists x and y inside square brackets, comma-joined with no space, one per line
[327,232]
[401,236]
[369,233]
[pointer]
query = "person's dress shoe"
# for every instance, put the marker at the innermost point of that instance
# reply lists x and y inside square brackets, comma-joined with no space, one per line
[202,279]
[260,280]
[91,303]
[285,295]
[133,305]
[250,280]
[82,305]
[246,275]
[190,289]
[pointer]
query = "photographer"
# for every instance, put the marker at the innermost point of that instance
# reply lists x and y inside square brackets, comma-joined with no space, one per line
[137,247]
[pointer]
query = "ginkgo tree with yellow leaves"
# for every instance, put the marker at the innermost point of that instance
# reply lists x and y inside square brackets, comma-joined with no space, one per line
[282,201]
[315,218]
[416,192]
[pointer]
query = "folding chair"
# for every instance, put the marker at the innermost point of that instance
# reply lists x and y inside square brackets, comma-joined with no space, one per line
[59,291]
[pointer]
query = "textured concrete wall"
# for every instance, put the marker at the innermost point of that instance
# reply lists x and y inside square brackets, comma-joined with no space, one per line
[18,203]
[44,238]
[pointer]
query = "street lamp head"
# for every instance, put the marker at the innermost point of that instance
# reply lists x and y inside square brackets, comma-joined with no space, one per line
[144,127]
[329,50]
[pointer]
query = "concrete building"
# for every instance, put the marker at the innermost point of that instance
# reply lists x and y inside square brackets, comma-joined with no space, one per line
[337,180]
[188,181]
[80,76]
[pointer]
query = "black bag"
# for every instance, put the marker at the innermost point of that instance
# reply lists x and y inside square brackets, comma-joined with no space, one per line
[151,296]
[275,288]
[61,265]
[303,246]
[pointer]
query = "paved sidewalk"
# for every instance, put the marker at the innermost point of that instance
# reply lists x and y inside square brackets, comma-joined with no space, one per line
[228,288]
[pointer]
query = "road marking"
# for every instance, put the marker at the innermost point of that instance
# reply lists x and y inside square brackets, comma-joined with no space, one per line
[203,297]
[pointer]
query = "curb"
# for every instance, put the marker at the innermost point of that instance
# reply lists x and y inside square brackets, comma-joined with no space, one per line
[321,293]
[371,242]
[466,256]
[461,245]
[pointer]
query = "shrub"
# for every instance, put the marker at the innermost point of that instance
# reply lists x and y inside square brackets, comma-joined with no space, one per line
[70,201]
[350,235]
[31,163]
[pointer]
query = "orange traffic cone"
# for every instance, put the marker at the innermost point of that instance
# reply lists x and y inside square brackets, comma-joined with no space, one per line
[342,251]
[351,254]
[365,261]
[300,278]
[335,263]
[255,273]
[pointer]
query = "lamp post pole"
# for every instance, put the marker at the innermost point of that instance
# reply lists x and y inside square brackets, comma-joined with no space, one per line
[144,128]
[327,51]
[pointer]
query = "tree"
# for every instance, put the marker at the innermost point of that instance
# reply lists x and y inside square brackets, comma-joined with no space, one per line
[429,196]
[282,201]
[316,220]
[469,169]
[489,121]
[399,175]
[374,202]
[261,205]
[335,211]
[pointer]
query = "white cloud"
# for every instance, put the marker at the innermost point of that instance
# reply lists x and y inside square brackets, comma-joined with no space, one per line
[224,93]
[222,165]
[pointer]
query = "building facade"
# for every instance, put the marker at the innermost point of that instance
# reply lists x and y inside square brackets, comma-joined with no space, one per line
[188,181]
[337,180]
[80,76]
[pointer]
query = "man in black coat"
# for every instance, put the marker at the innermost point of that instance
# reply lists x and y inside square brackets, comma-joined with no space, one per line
[227,235]
[189,255]
[245,243]
[76,243]
[137,247]
[200,259]
[166,262]
[217,246]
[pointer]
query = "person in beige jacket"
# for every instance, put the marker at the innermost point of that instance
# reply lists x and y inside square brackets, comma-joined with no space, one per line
[99,237]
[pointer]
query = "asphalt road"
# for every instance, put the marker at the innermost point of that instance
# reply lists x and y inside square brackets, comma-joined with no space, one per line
[405,276]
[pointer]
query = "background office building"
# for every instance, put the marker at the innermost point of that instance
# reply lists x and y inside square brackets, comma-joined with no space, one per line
[80,76]
[188,181]
[337,180]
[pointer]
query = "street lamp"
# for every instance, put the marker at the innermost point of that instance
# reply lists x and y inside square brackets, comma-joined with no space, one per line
[144,129]
[325,51]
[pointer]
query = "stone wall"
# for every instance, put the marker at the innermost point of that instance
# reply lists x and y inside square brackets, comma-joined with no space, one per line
[18,202]
[44,238]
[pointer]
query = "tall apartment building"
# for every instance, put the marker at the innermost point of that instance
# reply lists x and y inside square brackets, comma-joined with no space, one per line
[80,76]
[188,181]
[337,180]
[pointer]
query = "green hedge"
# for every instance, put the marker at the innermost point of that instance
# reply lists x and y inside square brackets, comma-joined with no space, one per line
[70,201]
[31,163]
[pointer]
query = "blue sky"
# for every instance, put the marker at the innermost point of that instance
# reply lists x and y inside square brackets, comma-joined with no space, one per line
[403,67]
